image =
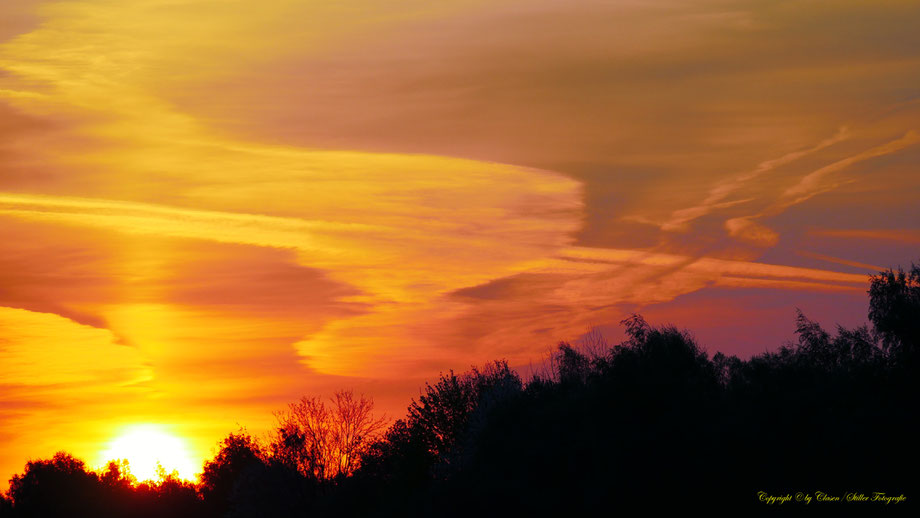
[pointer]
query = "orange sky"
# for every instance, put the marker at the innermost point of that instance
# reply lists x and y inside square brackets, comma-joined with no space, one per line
[211,207]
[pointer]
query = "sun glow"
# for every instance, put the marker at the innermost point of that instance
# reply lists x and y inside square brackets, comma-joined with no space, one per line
[151,450]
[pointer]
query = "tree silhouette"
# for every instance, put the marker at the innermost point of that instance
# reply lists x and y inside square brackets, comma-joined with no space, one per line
[444,413]
[60,486]
[894,309]
[660,364]
[573,366]
[238,453]
[6,507]
[117,475]
[323,441]
[353,429]
[171,496]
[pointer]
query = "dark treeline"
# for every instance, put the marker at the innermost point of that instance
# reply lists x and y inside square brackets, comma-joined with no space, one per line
[651,422]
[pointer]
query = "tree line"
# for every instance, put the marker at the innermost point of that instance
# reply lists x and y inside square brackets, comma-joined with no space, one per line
[651,422]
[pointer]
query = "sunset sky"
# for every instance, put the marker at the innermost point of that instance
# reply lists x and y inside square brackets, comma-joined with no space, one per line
[209,208]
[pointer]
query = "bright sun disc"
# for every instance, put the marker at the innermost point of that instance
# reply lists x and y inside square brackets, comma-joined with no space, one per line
[146,447]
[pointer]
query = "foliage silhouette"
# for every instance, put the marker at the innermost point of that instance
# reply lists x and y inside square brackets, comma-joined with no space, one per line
[54,487]
[62,486]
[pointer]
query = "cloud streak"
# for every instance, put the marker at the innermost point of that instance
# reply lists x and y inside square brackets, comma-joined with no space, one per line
[715,200]
[812,184]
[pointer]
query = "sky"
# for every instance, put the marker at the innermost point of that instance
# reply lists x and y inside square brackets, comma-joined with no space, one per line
[209,208]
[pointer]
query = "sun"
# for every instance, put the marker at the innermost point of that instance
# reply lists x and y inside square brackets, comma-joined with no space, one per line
[149,447]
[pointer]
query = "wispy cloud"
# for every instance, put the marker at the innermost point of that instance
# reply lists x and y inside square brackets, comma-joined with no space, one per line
[818,181]
[715,200]
[910,236]
[827,258]
[812,184]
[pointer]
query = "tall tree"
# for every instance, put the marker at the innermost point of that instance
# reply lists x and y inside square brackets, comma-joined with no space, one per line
[326,441]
